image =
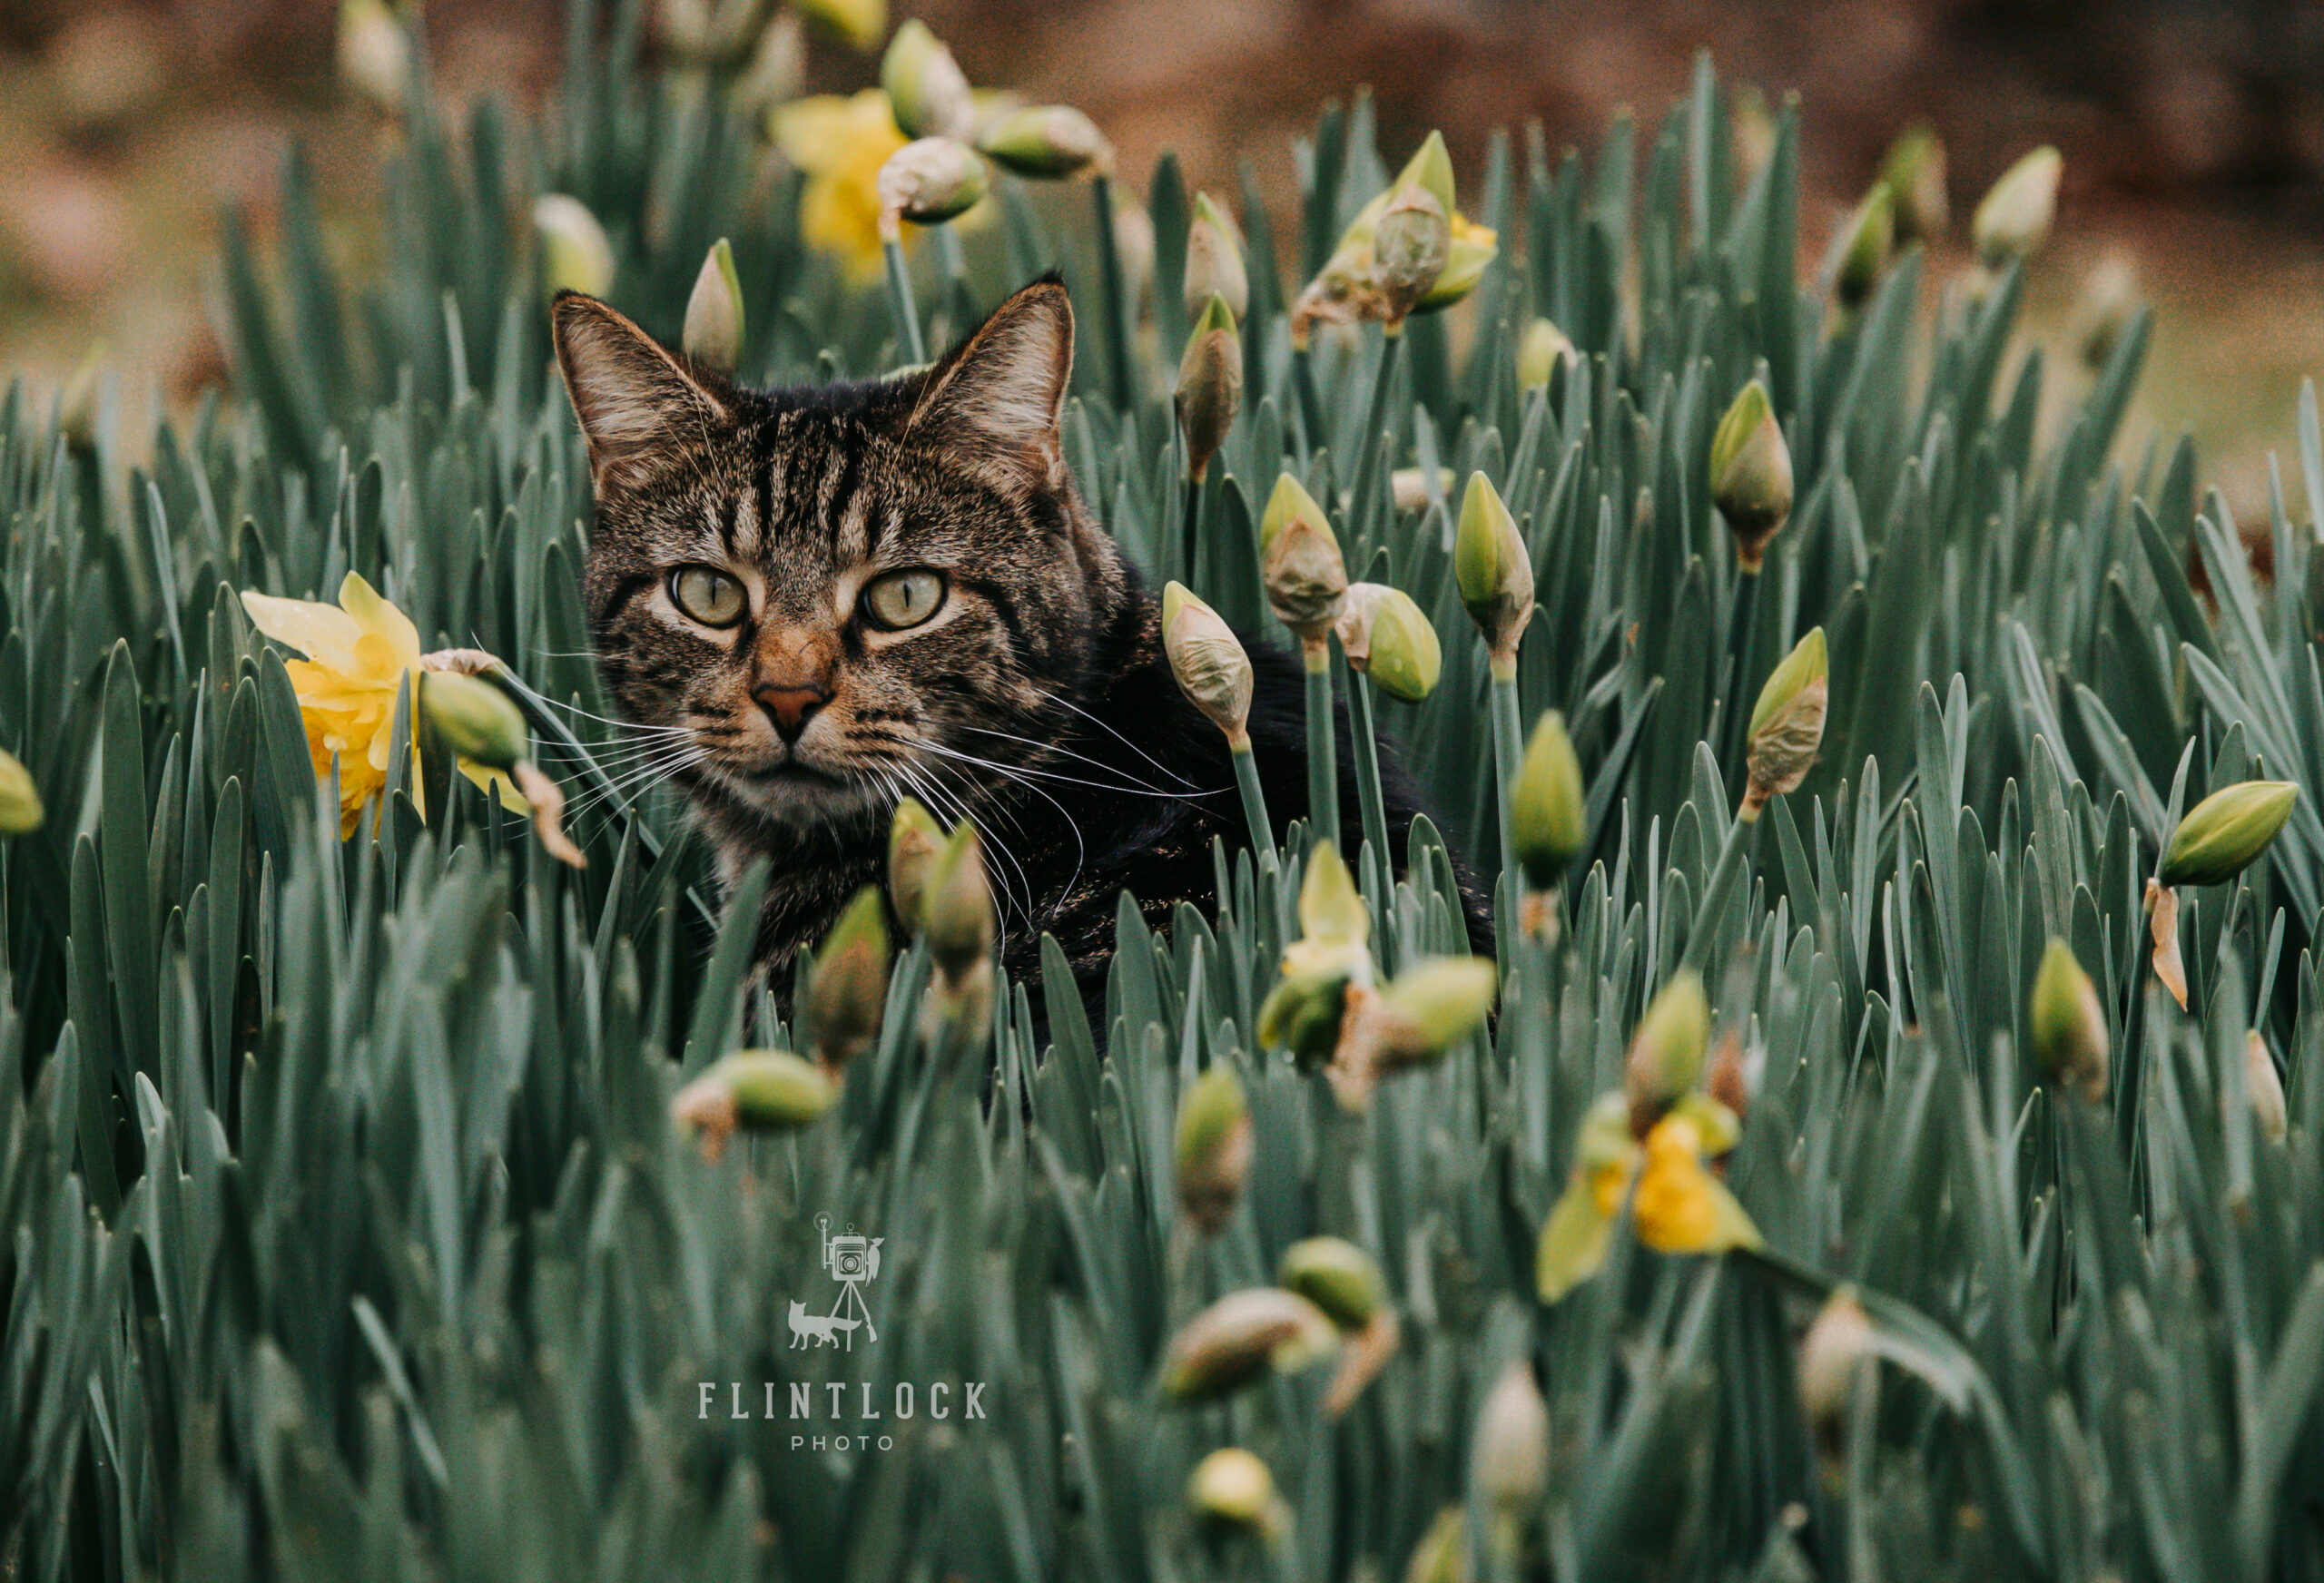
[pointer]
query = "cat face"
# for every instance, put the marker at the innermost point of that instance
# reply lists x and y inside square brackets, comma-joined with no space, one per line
[826,599]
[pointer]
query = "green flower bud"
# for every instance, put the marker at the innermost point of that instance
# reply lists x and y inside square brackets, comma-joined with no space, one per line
[1469,252]
[961,928]
[1539,350]
[713,329]
[1666,1054]
[1046,142]
[2263,1087]
[1509,1461]
[926,88]
[1302,1014]
[1337,1276]
[1410,242]
[1214,261]
[1788,723]
[1409,486]
[476,719]
[2068,1024]
[2105,308]
[914,842]
[1750,474]
[1213,1147]
[1549,812]
[1870,232]
[1232,1487]
[1208,660]
[1434,1005]
[930,182]
[847,988]
[1240,1337]
[2224,833]
[858,23]
[2014,217]
[1134,241]
[1914,172]
[758,1089]
[20,810]
[1442,1555]
[1331,909]
[1839,1344]
[1299,562]
[374,53]
[76,404]
[1210,385]
[1430,170]
[1495,572]
[1387,638]
[575,254]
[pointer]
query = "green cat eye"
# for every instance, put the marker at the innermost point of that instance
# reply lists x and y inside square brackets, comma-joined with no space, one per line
[707,595]
[901,599]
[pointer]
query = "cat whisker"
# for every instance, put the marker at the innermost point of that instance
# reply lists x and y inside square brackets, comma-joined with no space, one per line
[940,749]
[1110,730]
[1045,748]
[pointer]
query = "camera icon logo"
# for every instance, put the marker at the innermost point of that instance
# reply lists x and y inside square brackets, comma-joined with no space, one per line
[852,1260]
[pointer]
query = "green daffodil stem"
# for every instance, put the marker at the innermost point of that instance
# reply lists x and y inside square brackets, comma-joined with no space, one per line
[1311,404]
[1733,862]
[1323,759]
[1367,776]
[1190,531]
[1255,804]
[1369,445]
[1110,277]
[1738,654]
[900,296]
[949,254]
[1508,752]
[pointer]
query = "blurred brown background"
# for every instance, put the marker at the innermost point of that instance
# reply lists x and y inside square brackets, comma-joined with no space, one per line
[2193,136]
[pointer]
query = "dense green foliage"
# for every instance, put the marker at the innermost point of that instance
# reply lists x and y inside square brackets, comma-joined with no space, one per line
[343,1228]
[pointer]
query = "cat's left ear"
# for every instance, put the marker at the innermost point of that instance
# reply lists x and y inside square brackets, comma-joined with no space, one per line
[997,401]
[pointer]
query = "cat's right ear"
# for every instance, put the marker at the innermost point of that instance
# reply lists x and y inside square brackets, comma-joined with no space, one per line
[633,398]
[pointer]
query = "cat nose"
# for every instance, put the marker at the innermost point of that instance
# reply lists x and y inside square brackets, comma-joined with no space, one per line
[791,708]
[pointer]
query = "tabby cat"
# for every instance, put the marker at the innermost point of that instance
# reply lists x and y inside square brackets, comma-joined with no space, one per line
[823,600]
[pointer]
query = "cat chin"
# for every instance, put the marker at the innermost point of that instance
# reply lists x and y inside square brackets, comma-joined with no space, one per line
[799,798]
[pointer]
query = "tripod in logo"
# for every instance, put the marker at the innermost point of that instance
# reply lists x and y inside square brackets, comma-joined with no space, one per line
[852,1260]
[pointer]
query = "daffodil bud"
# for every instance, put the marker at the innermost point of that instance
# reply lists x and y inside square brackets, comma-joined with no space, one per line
[1433,1005]
[961,928]
[1871,232]
[1331,909]
[914,842]
[1788,723]
[1509,1461]
[1214,261]
[1470,250]
[1442,1555]
[1299,562]
[2264,1088]
[1495,572]
[713,329]
[1210,385]
[2224,833]
[1549,812]
[926,90]
[858,23]
[1430,170]
[1838,1344]
[761,1090]
[76,404]
[1234,1488]
[1213,1147]
[1914,172]
[1750,474]
[1410,243]
[1134,244]
[374,53]
[1337,1276]
[2068,1024]
[1386,638]
[1303,1012]
[2105,307]
[476,719]
[1539,350]
[930,182]
[1046,142]
[1409,486]
[1240,1337]
[2014,217]
[777,64]
[847,988]
[20,810]
[575,254]
[1208,660]
[1666,1053]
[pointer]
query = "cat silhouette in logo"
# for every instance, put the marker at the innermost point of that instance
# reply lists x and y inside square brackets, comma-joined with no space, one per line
[814,1329]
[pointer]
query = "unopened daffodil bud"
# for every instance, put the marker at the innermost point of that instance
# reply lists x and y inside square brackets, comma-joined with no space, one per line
[713,329]
[1209,662]
[847,988]
[1539,350]
[1838,1345]
[1331,909]
[915,840]
[2263,1087]
[374,53]
[2068,1024]
[1210,385]
[1299,562]
[1870,232]
[2225,833]
[1430,170]
[20,809]
[1666,1053]
[758,1090]
[1788,723]
[857,22]
[1306,1011]
[777,66]
[1240,1337]
[575,254]
[1233,1488]
[1549,812]
[2013,218]
[1046,142]
[477,720]
[1435,1005]
[2106,306]
[1494,572]
[1410,243]
[1134,245]
[1409,487]
[926,90]
[1214,261]
[76,404]
[1914,172]
[1386,637]
[1750,474]
[1509,1459]
[1442,1555]
[929,182]
[1212,1149]
[961,928]
[1337,1276]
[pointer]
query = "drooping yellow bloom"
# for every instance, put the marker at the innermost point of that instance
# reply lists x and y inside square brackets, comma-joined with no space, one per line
[840,141]
[358,653]
[1678,1206]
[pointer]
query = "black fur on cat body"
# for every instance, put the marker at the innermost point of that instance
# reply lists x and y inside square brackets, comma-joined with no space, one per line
[816,602]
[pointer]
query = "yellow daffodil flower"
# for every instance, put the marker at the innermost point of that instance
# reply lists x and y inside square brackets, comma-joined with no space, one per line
[358,654]
[1678,1206]
[840,141]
